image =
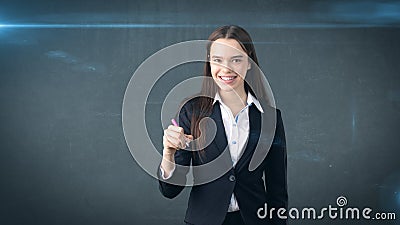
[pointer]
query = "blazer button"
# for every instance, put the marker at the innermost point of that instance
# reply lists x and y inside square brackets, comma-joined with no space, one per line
[232,178]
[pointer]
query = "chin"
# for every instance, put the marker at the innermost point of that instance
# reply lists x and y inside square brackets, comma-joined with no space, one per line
[228,88]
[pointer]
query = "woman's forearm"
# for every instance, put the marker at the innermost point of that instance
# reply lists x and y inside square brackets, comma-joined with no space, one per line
[168,163]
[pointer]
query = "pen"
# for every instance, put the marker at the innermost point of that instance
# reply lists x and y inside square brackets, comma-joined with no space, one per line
[174,122]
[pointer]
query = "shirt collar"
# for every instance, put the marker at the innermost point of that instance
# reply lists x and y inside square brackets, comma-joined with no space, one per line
[250,100]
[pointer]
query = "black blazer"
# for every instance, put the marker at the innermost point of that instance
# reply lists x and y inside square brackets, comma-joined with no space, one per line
[208,203]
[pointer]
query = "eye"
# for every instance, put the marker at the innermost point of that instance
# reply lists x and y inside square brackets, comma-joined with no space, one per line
[217,60]
[236,60]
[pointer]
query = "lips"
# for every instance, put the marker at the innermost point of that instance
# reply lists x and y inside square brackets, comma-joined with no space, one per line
[227,79]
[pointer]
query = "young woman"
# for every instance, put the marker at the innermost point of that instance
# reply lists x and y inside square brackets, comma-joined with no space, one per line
[237,103]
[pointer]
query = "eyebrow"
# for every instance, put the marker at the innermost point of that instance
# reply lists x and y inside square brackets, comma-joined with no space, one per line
[236,56]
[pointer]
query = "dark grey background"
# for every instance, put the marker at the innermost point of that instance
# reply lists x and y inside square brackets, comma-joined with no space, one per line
[333,66]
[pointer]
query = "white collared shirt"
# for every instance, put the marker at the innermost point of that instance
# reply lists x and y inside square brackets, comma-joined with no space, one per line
[237,132]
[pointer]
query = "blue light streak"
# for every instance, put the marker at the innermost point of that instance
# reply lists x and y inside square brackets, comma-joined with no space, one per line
[154,25]
[78,26]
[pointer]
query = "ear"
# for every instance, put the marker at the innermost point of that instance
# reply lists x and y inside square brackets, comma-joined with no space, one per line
[249,66]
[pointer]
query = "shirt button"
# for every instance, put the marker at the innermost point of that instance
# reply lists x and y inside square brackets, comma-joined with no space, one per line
[234,142]
[232,178]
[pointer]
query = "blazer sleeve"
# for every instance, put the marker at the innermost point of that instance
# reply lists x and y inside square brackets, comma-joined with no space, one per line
[170,188]
[276,171]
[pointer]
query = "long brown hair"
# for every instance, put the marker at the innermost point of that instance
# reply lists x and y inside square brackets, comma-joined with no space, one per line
[253,81]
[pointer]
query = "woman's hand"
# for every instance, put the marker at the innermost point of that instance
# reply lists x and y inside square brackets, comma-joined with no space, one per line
[175,139]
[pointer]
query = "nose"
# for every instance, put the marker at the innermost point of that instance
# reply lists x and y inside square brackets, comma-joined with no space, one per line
[225,68]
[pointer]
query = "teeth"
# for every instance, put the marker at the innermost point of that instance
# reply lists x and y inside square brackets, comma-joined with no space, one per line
[227,78]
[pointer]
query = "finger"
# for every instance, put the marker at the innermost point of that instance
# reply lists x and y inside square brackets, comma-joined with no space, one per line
[175,128]
[173,134]
[168,144]
[174,141]
[176,138]
[177,135]
[183,141]
[189,137]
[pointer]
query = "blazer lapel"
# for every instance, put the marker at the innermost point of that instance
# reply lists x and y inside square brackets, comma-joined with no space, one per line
[220,137]
[254,134]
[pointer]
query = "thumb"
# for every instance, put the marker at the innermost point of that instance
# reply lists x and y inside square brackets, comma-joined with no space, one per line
[190,137]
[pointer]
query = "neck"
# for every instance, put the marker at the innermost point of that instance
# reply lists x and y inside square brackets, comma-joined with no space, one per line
[233,97]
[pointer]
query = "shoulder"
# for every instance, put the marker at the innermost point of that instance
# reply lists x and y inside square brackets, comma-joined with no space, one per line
[269,110]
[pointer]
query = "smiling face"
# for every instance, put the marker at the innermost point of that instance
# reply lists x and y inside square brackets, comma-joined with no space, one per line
[229,64]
